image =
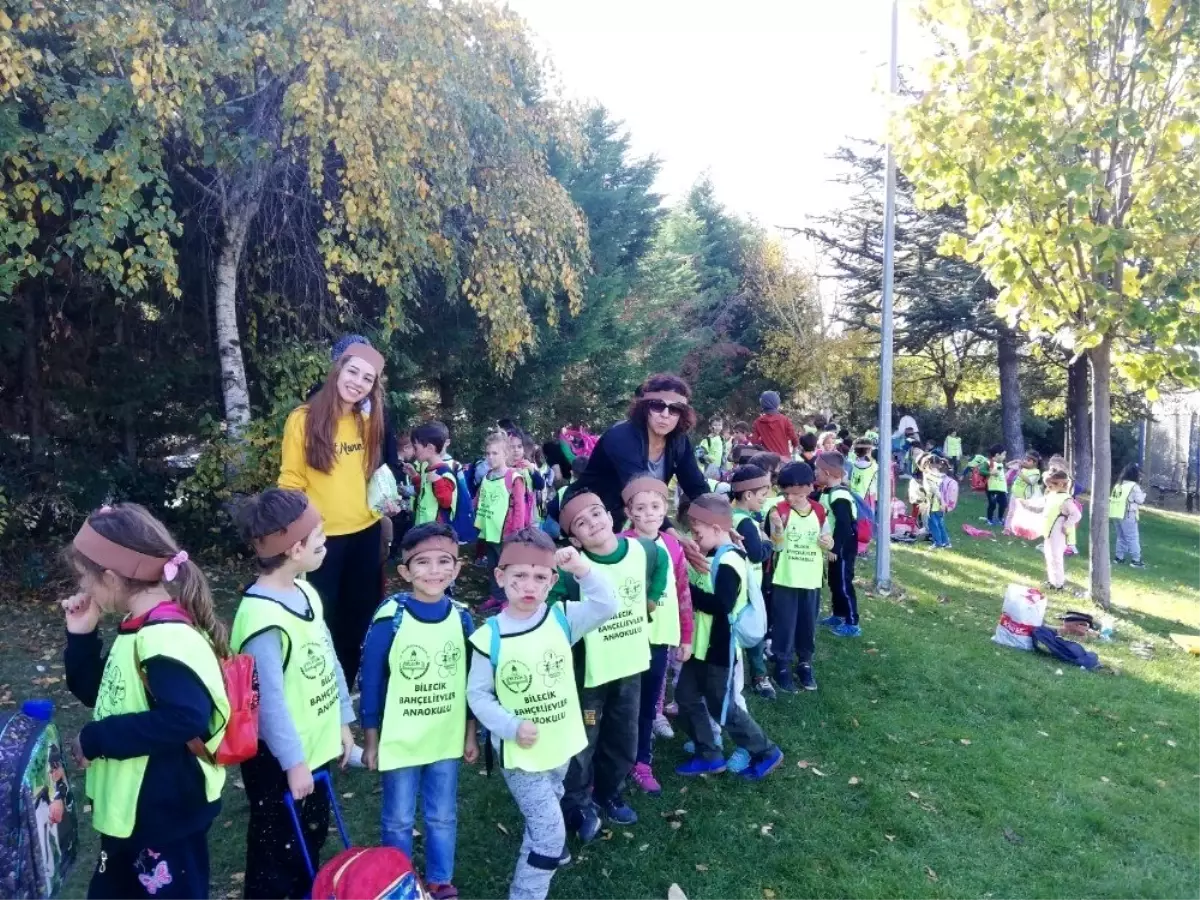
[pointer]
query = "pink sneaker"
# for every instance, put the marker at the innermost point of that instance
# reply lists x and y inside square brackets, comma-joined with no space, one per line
[645,779]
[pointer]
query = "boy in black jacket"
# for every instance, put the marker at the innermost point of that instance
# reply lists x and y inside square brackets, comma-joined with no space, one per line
[841,507]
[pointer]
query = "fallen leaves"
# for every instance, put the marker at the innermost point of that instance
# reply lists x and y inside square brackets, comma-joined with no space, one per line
[349,795]
[914,795]
[890,837]
[854,779]
[817,771]
[675,892]
[768,894]
[1044,734]
[965,742]
[766,830]
[802,764]
[1104,778]
[238,877]
[1012,837]
[701,867]
[500,827]
[930,874]
[1171,743]
[643,848]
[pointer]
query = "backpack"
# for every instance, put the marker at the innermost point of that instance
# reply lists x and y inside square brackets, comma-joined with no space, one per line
[39,829]
[462,514]
[747,628]
[864,520]
[948,494]
[1048,641]
[401,601]
[978,482]
[510,478]
[577,442]
[240,741]
[493,628]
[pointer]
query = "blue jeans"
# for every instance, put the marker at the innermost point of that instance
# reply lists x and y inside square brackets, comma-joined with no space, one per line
[438,783]
[937,529]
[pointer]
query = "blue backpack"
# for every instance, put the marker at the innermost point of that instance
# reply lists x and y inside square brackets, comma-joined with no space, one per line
[463,520]
[1073,654]
[747,628]
[494,633]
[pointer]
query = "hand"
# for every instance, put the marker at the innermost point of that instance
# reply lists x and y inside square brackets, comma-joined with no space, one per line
[684,653]
[371,758]
[571,560]
[410,470]
[831,557]
[527,734]
[471,747]
[347,745]
[83,615]
[825,541]
[695,557]
[300,781]
[57,809]
[775,522]
[390,508]
[77,753]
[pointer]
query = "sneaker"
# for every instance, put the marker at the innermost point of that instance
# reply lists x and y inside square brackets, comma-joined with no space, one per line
[846,630]
[1137,564]
[805,674]
[617,811]
[644,778]
[445,891]
[739,760]
[1071,550]
[698,765]
[767,654]
[690,746]
[764,765]
[356,760]
[585,823]
[565,858]
[763,687]
[831,622]
[662,728]
[986,519]
[783,680]
[671,709]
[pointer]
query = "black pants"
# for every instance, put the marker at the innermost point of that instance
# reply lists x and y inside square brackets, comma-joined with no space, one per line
[701,691]
[184,862]
[997,505]
[350,582]
[274,864]
[795,628]
[492,555]
[610,718]
[841,585]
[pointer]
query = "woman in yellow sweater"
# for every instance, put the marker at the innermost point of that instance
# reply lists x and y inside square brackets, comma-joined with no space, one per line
[331,447]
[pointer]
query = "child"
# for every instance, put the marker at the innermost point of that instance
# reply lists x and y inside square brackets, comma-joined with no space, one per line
[841,509]
[578,467]
[1026,483]
[935,472]
[749,486]
[434,482]
[952,450]
[414,702]
[997,485]
[521,446]
[711,450]
[614,657]
[304,711]
[522,688]
[704,679]
[1058,461]
[864,473]
[741,436]
[153,797]
[670,626]
[1123,506]
[1061,512]
[500,510]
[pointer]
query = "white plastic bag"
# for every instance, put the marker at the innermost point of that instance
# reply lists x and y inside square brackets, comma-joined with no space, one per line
[382,489]
[1024,610]
[1027,519]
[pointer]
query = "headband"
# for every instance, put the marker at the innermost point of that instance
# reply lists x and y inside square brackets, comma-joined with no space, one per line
[666,397]
[824,462]
[512,554]
[751,484]
[281,541]
[112,556]
[366,353]
[721,519]
[643,483]
[574,507]
[435,542]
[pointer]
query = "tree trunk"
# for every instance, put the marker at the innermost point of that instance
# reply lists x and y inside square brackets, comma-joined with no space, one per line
[1100,358]
[447,398]
[1010,393]
[951,394]
[128,426]
[31,375]
[1079,420]
[234,389]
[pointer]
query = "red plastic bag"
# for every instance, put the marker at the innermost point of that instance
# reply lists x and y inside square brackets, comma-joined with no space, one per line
[240,741]
[368,873]
[978,482]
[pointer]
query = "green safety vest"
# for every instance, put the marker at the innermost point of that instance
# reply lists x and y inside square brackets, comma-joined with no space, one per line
[705,581]
[738,515]
[1025,485]
[953,447]
[494,501]
[799,563]
[933,491]
[838,491]
[620,646]
[425,714]
[1054,505]
[862,480]
[770,503]
[310,684]
[664,624]
[1118,500]
[427,504]
[535,681]
[997,477]
[714,448]
[114,784]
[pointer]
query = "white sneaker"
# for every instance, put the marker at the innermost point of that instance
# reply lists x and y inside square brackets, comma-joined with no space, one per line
[662,728]
[356,760]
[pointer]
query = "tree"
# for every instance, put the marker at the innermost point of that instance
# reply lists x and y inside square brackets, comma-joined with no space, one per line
[1069,130]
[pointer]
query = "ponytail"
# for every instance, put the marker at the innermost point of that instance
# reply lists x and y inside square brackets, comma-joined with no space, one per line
[195,597]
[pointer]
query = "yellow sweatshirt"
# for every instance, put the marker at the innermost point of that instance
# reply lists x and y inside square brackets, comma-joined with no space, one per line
[341,495]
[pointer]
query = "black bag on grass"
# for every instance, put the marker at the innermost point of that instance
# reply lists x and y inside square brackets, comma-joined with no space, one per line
[1048,641]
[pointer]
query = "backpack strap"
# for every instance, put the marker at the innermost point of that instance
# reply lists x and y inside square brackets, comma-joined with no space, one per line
[494,643]
[561,617]
[401,601]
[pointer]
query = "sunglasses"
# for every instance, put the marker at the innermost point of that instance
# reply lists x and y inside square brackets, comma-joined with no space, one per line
[661,406]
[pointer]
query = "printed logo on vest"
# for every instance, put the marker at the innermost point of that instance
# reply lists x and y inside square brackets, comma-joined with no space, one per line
[447,660]
[312,660]
[630,591]
[414,662]
[516,676]
[551,667]
[112,691]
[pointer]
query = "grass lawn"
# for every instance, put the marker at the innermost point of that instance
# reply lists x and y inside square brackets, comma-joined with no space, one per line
[930,763]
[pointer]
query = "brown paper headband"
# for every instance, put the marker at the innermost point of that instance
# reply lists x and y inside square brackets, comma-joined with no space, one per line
[643,484]
[526,554]
[112,556]
[574,507]
[281,541]
[437,542]
[719,519]
[367,354]
[750,484]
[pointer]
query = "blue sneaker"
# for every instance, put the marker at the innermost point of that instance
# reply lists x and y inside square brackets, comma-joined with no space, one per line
[585,823]
[764,765]
[832,622]
[783,679]
[738,761]
[845,630]
[616,810]
[698,765]
[805,673]
[690,746]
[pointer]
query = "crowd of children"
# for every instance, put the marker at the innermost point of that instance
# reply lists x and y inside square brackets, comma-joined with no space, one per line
[564,684]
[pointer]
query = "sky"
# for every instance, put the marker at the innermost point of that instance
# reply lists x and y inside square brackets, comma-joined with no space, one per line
[755,92]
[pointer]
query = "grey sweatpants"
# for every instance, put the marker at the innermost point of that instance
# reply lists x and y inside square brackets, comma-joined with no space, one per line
[537,795]
[1129,542]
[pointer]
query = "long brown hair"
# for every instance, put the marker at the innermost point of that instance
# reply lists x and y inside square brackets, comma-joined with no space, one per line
[132,526]
[324,410]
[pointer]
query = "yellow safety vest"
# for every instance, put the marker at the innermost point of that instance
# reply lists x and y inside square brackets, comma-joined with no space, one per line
[427,503]
[862,480]
[738,516]
[1054,505]
[799,564]
[705,581]
[997,477]
[620,647]
[664,624]
[1118,500]
[494,502]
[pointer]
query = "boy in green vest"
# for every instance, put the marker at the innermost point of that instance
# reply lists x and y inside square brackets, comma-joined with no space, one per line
[500,510]
[1126,498]
[997,485]
[952,450]
[748,489]
[612,659]
[522,688]
[711,450]
[304,711]
[414,702]
[435,483]
[799,536]
[842,511]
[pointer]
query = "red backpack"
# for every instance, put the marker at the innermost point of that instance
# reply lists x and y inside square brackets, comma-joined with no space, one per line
[240,741]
